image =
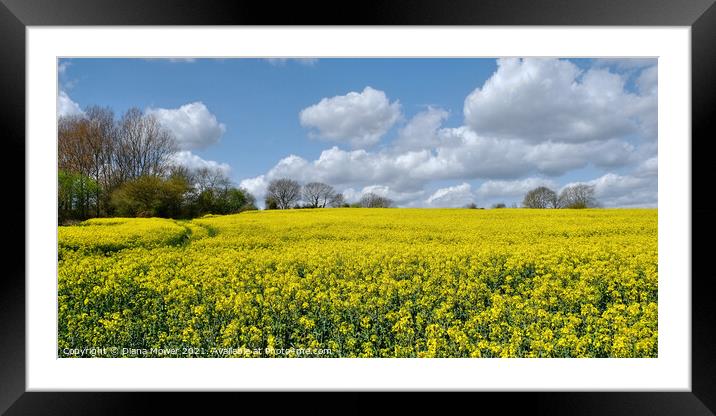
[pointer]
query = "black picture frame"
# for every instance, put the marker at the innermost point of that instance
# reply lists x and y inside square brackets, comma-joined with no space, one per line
[16,15]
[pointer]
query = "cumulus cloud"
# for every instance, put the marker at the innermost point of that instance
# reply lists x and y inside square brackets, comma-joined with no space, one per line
[421,132]
[491,189]
[649,167]
[462,152]
[358,118]
[558,158]
[194,162]
[406,175]
[193,125]
[283,61]
[398,197]
[539,100]
[256,187]
[647,84]
[531,122]
[638,188]
[452,196]
[634,190]
[67,107]
[460,155]
[647,81]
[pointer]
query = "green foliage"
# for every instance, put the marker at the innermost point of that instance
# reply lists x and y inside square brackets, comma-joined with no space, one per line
[150,196]
[76,195]
[173,197]
[223,201]
[271,203]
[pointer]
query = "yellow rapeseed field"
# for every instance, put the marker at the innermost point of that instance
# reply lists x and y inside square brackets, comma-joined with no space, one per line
[363,283]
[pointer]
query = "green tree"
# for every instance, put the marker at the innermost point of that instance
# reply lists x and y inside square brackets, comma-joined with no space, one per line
[76,195]
[270,203]
[150,196]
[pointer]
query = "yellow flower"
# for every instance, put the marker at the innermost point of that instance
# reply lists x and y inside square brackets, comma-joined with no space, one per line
[367,283]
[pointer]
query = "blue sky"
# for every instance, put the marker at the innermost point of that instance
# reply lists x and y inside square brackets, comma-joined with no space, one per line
[425,132]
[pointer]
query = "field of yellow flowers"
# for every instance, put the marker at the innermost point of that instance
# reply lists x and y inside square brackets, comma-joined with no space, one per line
[362,283]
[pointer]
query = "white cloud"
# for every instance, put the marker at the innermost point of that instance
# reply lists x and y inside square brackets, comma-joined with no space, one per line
[647,82]
[461,155]
[401,198]
[649,167]
[452,196]
[358,118]
[531,122]
[635,190]
[421,131]
[398,197]
[193,125]
[256,187]
[283,61]
[465,153]
[557,158]
[67,107]
[194,162]
[539,100]
[492,189]
[405,176]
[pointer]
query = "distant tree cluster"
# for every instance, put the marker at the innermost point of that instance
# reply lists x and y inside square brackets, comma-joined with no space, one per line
[541,197]
[285,193]
[122,167]
[574,197]
[282,194]
[371,200]
[180,194]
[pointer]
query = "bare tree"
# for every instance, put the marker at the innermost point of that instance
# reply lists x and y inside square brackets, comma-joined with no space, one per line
[284,192]
[337,201]
[85,146]
[72,154]
[100,141]
[371,200]
[318,194]
[205,179]
[540,197]
[143,146]
[577,196]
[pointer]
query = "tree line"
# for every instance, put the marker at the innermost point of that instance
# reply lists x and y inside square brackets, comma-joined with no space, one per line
[122,166]
[285,193]
[574,197]
[571,197]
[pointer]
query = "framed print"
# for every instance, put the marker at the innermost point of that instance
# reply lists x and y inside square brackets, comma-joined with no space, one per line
[401,198]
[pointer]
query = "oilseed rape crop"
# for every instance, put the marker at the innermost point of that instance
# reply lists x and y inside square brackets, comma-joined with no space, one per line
[364,283]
